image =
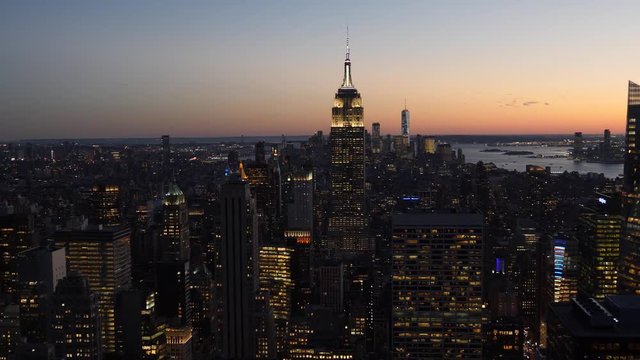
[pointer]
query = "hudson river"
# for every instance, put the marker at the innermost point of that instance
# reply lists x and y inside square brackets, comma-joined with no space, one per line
[473,153]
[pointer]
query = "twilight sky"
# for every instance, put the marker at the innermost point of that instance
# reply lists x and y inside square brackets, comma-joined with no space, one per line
[217,68]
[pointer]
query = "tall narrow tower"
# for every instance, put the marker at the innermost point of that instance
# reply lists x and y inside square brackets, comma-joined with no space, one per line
[629,273]
[404,121]
[236,269]
[347,221]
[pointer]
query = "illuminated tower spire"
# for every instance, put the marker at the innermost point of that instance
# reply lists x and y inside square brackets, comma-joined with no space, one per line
[346,82]
[347,225]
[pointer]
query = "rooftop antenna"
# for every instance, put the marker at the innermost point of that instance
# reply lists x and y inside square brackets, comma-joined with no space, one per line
[348,51]
[405,103]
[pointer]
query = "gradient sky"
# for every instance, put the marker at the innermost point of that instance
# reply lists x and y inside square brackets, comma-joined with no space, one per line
[218,68]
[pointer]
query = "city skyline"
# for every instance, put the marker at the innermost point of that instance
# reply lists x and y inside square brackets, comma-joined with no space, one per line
[137,70]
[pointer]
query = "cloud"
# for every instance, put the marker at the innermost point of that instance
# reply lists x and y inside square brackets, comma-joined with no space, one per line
[516,102]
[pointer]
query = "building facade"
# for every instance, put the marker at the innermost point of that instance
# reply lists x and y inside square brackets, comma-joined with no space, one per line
[436,286]
[347,221]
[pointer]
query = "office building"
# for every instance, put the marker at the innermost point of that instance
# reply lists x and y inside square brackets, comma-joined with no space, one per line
[404,123]
[39,270]
[562,278]
[578,146]
[179,343]
[16,235]
[300,204]
[274,277]
[376,139]
[102,255]
[104,200]
[347,226]
[629,273]
[173,291]
[599,246]
[140,333]
[436,286]
[430,145]
[9,331]
[175,232]
[76,319]
[588,329]
[237,270]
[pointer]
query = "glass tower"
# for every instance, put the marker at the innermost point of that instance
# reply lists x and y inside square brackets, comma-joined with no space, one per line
[629,274]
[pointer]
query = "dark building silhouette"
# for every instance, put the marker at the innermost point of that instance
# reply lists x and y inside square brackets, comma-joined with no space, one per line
[39,270]
[237,269]
[76,319]
[587,329]
[140,333]
[629,275]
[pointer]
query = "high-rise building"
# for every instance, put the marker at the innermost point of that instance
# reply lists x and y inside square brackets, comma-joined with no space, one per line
[430,145]
[587,329]
[376,139]
[261,157]
[179,343]
[102,255]
[347,226]
[264,182]
[175,231]
[201,305]
[562,274]
[599,246]
[274,277]
[606,145]
[329,280]
[578,145]
[104,200]
[76,320]
[173,291]
[629,273]
[16,235]
[39,270]
[404,122]
[9,331]
[436,286]
[237,270]
[140,333]
[300,206]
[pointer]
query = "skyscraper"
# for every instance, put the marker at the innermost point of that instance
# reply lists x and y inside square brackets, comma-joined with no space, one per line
[347,221]
[105,204]
[376,140]
[629,273]
[39,270]
[599,246]
[562,274]
[436,289]
[175,232]
[237,269]
[103,256]
[76,320]
[578,145]
[16,235]
[274,268]
[404,122]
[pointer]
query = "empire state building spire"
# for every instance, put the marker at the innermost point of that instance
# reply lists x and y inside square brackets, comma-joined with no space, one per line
[346,81]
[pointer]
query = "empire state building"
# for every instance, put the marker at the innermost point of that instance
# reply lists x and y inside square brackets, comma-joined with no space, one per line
[347,221]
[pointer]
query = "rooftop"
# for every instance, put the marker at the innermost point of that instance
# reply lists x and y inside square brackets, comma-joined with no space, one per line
[438,219]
